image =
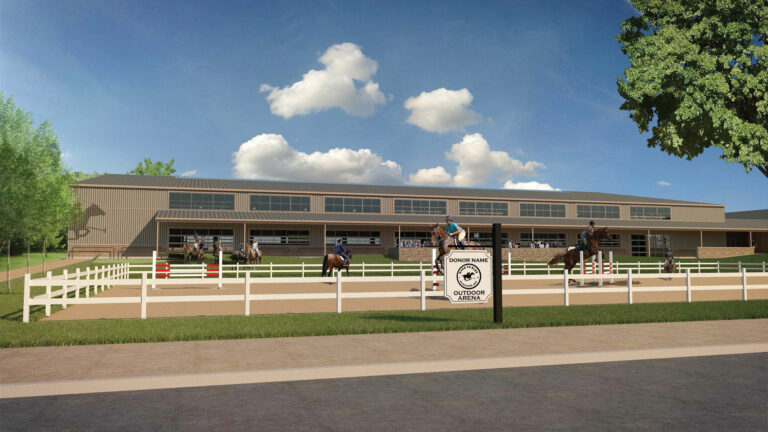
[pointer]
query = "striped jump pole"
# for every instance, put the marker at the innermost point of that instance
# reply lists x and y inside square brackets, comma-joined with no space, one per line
[583,268]
[435,283]
[600,266]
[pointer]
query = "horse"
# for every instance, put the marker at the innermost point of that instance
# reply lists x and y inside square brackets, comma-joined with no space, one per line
[445,242]
[191,253]
[571,257]
[669,266]
[252,254]
[332,261]
[216,248]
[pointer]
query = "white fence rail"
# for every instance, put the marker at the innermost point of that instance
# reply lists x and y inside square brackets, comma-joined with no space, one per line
[104,277]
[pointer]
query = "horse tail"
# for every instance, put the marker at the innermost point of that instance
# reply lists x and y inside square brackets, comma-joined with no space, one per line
[325,264]
[555,260]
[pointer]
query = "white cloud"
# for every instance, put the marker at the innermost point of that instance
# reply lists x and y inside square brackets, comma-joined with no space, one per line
[442,110]
[477,163]
[189,173]
[66,155]
[663,183]
[531,185]
[269,156]
[333,87]
[437,176]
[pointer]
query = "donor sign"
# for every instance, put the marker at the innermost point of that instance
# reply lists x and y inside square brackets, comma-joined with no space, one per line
[468,276]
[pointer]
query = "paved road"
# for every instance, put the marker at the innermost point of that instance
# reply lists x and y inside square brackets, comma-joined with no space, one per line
[685,394]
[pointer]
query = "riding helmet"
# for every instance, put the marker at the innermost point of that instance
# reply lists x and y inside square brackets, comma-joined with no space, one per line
[592,222]
[448,218]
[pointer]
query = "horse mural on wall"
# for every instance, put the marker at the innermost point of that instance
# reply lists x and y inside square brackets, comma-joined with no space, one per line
[82,228]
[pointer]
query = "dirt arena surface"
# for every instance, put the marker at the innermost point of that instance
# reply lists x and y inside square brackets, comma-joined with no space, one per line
[156,310]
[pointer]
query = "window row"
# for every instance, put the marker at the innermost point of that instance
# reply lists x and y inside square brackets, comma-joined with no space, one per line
[280,203]
[597,211]
[653,213]
[420,207]
[360,238]
[279,237]
[201,201]
[352,205]
[542,210]
[178,237]
[483,208]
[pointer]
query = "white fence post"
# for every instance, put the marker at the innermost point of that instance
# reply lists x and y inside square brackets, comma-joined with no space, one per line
[87,282]
[77,286]
[600,265]
[247,296]
[581,268]
[65,288]
[363,269]
[338,292]
[523,268]
[744,284]
[25,313]
[629,286]
[688,285]
[423,302]
[221,266]
[96,277]
[237,270]
[302,269]
[392,268]
[509,263]
[48,294]
[144,295]
[699,266]
[565,287]
[270,269]
[154,268]
[718,267]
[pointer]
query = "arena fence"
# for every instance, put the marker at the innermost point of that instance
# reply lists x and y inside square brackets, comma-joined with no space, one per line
[104,277]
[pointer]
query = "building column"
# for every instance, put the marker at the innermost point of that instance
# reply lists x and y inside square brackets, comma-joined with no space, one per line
[157,235]
[648,244]
[245,235]
[701,238]
[750,239]
[324,240]
[399,236]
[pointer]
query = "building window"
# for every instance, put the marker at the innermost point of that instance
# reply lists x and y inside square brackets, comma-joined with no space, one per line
[639,245]
[654,213]
[482,208]
[178,237]
[485,238]
[597,211]
[413,239]
[613,241]
[352,205]
[554,240]
[280,203]
[660,245]
[542,210]
[279,237]
[419,207]
[354,238]
[201,201]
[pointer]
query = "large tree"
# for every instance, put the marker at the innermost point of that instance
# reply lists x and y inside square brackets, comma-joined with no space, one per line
[700,69]
[154,168]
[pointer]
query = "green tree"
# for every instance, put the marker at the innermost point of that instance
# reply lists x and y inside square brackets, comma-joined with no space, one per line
[154,168]
[700,68]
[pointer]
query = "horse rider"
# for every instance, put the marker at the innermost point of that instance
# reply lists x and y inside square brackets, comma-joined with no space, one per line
[242,250]
[587,234]
[339,250]
[196,241]
[455,231]
[255,247]
[670,257]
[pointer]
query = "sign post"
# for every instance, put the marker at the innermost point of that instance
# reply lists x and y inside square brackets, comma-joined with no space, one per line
[498,310]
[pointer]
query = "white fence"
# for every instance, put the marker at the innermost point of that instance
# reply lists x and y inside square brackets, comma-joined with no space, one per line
[108,276]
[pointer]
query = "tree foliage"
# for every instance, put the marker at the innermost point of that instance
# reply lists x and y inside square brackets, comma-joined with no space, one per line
[700,68]
[154,168]
[36,202]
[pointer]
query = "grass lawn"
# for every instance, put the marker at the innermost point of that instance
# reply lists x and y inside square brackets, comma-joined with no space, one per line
[35,258]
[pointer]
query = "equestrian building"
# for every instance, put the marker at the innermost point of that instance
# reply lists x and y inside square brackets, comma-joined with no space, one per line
[128,215]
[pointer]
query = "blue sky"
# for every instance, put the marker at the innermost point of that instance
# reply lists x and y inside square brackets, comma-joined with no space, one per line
[481,94]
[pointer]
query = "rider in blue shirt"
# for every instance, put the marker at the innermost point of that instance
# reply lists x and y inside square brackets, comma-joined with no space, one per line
[586,234]
[339,249]
[455,231]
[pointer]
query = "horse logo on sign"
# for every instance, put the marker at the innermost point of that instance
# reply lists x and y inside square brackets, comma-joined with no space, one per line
[468,276]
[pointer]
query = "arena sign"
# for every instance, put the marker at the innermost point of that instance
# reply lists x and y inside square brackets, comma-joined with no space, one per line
[468,276]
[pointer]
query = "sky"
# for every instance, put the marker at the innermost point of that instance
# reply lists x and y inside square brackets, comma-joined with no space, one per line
[515,94]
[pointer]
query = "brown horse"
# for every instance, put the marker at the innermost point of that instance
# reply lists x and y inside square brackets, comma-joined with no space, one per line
[445,242]
[669,266]
[191,253]
[332,261]
[252,254]
[571,258]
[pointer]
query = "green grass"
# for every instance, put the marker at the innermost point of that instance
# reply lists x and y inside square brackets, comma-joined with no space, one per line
[14,334]
[35,258]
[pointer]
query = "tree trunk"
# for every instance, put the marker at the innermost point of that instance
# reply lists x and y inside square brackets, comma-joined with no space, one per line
[8,270]
[44,241]
[27,255]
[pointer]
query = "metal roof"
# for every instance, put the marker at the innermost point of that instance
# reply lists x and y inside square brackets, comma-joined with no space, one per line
[751,214]
[377,218]
[178,183]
